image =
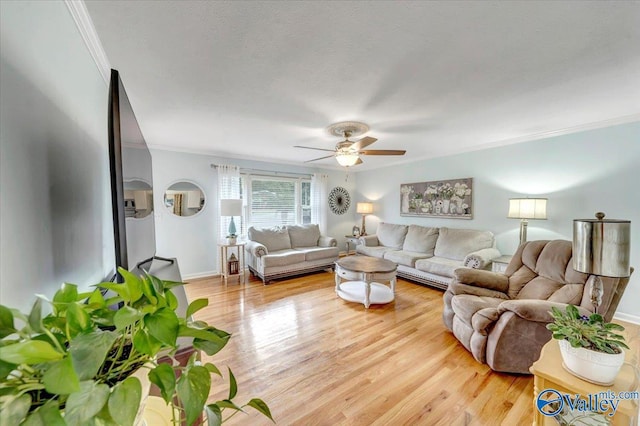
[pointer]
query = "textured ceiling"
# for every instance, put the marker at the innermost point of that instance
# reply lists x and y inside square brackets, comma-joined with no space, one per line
[253,79]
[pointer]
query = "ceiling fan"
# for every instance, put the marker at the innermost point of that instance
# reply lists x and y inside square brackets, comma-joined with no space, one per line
[347,152]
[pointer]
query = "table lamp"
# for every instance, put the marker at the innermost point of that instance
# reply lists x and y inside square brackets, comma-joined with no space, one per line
[364,209]
[601,247]
[524,209]
[231,207]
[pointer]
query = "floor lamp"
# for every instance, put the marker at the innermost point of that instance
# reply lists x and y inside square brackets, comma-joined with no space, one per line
[525,209]
[601,248]
[364,209]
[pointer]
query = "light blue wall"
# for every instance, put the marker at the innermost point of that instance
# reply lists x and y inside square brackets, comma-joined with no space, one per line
[193,240]
[55,208]
[580,173]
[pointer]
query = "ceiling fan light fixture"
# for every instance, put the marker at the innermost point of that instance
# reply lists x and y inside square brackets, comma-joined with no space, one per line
[347,159]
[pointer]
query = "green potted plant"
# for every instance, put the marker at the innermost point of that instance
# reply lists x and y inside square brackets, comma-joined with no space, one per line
[591,348]
[76,365]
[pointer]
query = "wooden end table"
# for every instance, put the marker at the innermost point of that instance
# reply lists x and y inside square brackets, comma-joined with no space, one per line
[362,272]
[223,249]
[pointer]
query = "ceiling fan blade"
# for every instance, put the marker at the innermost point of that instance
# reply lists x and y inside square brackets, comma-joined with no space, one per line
[318,149]
[382,152]
[359,161]
[359,144]
[321,158]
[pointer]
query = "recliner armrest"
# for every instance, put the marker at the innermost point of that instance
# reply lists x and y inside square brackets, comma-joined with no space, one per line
[325,241]
[457,288]
[480,259]
[481,278]
[535,310]
[369,240]
[256,249]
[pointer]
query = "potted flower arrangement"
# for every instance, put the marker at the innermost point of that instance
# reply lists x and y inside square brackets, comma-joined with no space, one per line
[76,365]
[591,348]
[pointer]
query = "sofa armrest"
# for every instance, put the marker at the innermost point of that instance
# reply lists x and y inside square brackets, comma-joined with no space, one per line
[256,249]
[324,241]
[369,240]
[480,259]
[535,310]
[483,279]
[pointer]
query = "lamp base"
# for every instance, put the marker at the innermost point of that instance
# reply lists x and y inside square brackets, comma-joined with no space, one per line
[232,227]
[363,230]
[523,231]
[595,292]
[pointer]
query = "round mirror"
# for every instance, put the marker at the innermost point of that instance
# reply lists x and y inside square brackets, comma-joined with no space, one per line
[184,199]
[138,199]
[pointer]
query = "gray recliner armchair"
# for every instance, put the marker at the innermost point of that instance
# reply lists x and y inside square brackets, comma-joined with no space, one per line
[501,318]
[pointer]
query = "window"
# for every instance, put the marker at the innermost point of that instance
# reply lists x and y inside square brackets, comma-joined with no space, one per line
[277,201]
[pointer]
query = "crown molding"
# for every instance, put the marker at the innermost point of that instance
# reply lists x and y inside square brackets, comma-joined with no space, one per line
[83,21]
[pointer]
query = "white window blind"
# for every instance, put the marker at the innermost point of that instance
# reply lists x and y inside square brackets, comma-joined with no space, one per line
[278,201]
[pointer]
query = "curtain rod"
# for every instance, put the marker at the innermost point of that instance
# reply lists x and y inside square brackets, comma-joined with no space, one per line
[268,172]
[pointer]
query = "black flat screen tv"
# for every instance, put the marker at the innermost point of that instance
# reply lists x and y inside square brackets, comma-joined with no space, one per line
[131,182]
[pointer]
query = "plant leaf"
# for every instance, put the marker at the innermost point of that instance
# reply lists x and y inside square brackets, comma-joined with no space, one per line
[35,316]
[261,406]
[228,404]
[233,385]
[126,316]
[146,344]
[163,325]
[120,289]
[47,415]
[15,409]
[78,320]
[60,378]
[88,352]
[214,415]
[68,293]
[172,300]
[125,401]
[193,389]
[164,377]
[86,403]
[29,352]
[133,284]
[195,306]
[5,369]
[6,322]
[96,299]
[212,369]
[149,291]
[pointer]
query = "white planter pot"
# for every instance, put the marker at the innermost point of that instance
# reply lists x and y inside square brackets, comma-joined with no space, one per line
[596,367]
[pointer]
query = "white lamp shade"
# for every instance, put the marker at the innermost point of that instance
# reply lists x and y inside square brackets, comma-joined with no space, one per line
[364,208]
[527,208]
[602,247]
[347,159]
[230,207]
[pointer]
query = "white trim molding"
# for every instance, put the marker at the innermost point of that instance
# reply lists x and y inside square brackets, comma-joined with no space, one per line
[83,21]
[627,317]
[199,275]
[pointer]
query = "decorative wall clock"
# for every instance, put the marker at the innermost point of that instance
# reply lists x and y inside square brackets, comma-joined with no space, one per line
[339,200]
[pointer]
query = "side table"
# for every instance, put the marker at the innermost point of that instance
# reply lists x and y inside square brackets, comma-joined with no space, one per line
[351,239]
[550,374]
[500,264]
[223,249]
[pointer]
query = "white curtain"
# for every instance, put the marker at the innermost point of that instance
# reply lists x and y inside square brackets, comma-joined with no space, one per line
[319,193]
[228,187]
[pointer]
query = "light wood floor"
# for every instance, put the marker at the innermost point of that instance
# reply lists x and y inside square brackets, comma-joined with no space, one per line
[318,360]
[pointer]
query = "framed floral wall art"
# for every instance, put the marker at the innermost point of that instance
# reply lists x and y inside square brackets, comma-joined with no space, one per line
[451,199]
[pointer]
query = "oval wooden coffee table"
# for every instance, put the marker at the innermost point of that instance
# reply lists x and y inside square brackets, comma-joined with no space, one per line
[361,273]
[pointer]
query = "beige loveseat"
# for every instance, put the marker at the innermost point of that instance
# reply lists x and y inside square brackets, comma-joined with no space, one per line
[430,255]
[501,318]
[291,250]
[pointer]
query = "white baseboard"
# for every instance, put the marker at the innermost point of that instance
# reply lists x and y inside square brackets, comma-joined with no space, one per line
[627,317]
[197,275]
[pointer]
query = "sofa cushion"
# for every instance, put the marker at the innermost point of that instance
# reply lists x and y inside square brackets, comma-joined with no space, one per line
[283,258]
[404,257]
[315,253]
[458,243]
[421,239]
[391,235]
[304,235]
[273,239]
[377,251]
[438,265]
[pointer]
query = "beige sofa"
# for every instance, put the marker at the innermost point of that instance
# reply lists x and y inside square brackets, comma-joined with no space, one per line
[501,318]
[286,251]
[430,255]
